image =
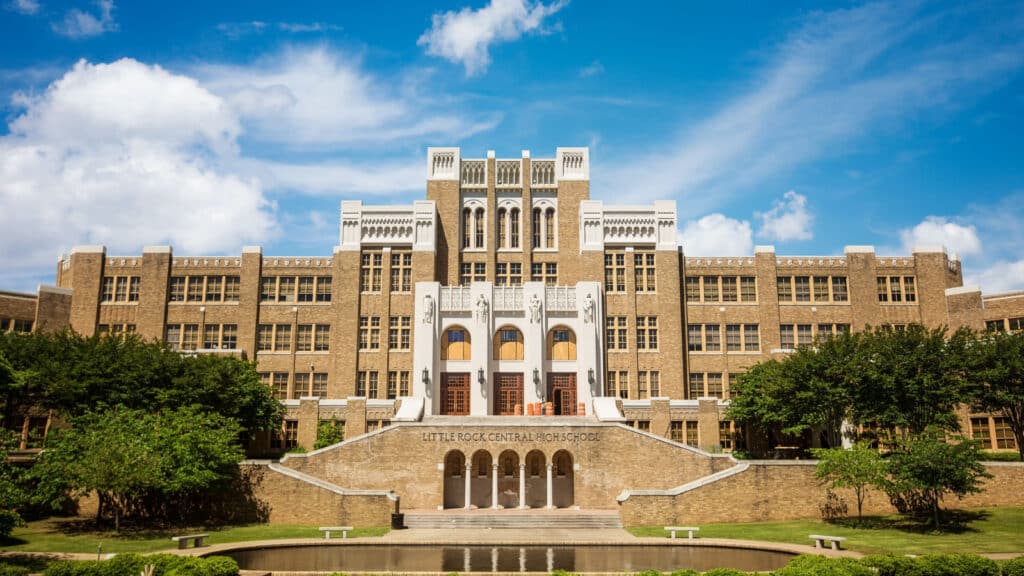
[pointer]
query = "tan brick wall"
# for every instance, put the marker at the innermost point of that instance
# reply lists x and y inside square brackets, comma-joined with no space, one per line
[288,500]
[53,309]
[16,306]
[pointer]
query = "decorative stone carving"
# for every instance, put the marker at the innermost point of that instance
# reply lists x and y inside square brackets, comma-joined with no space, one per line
[428,309]
[535,309]
[588,309]
[482,309]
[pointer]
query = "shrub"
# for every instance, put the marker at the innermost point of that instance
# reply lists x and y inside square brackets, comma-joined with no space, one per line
[957,565]
[822,566]
[725,572]
[12,570]
[649,573]
[9,520]
[684,573]
[1014,567]
[893,565]
[1000,456]
[132,564]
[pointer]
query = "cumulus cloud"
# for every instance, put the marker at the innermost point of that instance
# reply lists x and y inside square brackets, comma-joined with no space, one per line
[938,231]
[466,36]
[717,235]
[27,7]
[80,24]
[124,154]
[788,219]
[1000,276]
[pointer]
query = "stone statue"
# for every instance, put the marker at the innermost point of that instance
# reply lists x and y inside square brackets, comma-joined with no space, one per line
[588,309]
[428,309]
[535,309]
[481,309]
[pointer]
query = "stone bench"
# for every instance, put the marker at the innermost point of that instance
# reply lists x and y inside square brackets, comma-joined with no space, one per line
[833,541]
[184,540]
[688,529]
[328,529]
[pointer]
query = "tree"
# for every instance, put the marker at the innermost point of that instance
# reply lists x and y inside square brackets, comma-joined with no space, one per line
[329,432]
[998,362]
[125,455]
[859,468]
[12,497]
[924,468]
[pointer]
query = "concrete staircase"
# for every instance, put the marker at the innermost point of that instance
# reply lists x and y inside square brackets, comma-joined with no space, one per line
[513,519]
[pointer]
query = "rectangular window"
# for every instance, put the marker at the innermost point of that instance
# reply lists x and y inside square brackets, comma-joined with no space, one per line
[729,293]
[401,271]
[787,336]
[1015,324]
[231,288]
[189,336]
[751,340]
[361,384]
[803,335]
[214,287]
[821,289]
[839,291]
[784,285]
[675,431]
[403,383]
[725,435]
[981,433]
[172,336]
[323,288]
[692,288]
[473,272]
[802,288]
[615,326]
[320,384]
[303,337]
[305,289]
[194,291]
[229,337]
[712,338]
[280,385]
[121,289]
[654,379]
[733,338]
[398,332]
[369,332]
[268,289]
[286,289]
[322,338]
[641,385]
[714,384]
[265,337]
[107,291]
[282,337]
[643,272]
[895,291]
[211,337]
[694,339]
[301,386]
[748,289]
[133,288]
[291,434]
[710,288]
[392,392]
[615,272]
[994,325]
[1004,434]
[691,433]
[883,288]
[370,270]
[546,272]
[176,289]
[372,385]
[508,274]
[647,332]
[909,290]
[696,389]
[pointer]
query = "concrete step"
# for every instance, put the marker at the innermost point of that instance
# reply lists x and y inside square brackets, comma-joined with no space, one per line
[517,520]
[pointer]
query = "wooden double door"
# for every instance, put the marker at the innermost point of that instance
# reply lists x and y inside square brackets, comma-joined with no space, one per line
[455,394]
[508,392]
[562,392]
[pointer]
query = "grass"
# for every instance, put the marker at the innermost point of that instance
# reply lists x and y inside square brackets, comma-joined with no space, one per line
[987,530]
[64,535]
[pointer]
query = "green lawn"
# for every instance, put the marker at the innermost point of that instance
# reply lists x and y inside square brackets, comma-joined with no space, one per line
[79,536]
[977,531]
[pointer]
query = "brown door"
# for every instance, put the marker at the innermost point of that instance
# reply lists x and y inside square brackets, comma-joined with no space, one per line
[508,388]
[562,392]
[454,394]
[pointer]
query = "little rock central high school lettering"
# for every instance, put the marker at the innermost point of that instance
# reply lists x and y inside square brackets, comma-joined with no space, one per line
[512,437]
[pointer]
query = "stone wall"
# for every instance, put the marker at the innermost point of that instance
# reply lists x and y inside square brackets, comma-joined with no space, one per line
[768,490]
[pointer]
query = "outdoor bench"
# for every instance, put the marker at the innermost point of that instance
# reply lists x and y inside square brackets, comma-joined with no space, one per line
[833,540]
[688,529]
[184,540]
[328,529]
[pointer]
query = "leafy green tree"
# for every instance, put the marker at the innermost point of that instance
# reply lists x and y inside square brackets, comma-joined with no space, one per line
[998,368]
[329,432]
[12,496]
[124,455]
[925,468]
[860,468]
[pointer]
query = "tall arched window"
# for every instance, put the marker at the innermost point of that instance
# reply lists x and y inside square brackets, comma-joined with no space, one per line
[549,228]
[502,217]
[508,344]
[467,217]
[536,228]
[561,344]
[455,344]
[479,228]
[514,228]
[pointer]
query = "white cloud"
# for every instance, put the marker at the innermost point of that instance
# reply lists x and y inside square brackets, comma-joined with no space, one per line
[342,177]
[593,69]
[236,30]
[466,36]
[79,24]
[937,231]
[27,7]
[300,28]
[1001,276]
[124,154]
[834,80]
[788,219]
[318,97]
[717,235]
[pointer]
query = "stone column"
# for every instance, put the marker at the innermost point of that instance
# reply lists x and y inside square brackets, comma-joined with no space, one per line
[494,486]
[550,488]
[522,485]
[469,471]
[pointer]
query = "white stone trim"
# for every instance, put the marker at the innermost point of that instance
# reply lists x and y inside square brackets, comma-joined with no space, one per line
[156,249]
[765,249]
[252,249]
[859,250]
[89,249]
[739,468]
[54,290]
[928,250]
[284,470]
[963,290]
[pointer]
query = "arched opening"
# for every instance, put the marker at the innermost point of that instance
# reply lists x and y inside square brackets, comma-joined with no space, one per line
[502,239]
[561,343]
[535,227]
[480,480]
[561,479]
[549,228]
[479,228]
[513,226]
[455,344]
[536,480]
[508,479]
[467,221]
[508,343]
[454,480]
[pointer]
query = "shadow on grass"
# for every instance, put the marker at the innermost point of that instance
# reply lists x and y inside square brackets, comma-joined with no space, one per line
[34,562]
[129,530]
[951,522]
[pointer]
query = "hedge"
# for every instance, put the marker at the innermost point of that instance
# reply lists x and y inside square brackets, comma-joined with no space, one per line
[132,565]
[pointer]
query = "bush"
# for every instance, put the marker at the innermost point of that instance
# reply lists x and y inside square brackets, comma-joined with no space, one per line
[725,572]
[132,564]
[957,565]
[9,520]
[1014,567]
[822,566]
[1000,456]
[649,573]
[684,573]
[892,565]
[12,570]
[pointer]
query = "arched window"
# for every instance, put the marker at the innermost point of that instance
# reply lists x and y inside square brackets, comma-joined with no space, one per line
[454,463]
[508,344]
[455,344]
[536,227]
[561,344]
[549,228]
[467,217]
[513,225]
[501,228]
[479,228]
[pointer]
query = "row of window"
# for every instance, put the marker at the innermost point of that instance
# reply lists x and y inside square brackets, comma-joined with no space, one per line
[186,336]
[793,335]
[509,222]
[825,289]
[308,337]
[648,384]
[508,344]
[896,289]
[644,279]
[994,433]
[114,330]
[687,432]
[368,384]
[371,271]
[509,273]
[1001,325]
[399,333]
[709,385]
[15,325]
[295,289]
[708,338]
[293,386]
[203,289]
[721,289]
[616,333]
[120,289]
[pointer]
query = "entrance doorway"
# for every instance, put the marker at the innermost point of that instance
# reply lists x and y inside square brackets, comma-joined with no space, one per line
[562,392]
[454,394]
[508,392]
[454,481]
[562,480]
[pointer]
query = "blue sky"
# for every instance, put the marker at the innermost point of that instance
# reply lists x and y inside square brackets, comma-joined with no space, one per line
[807,126]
